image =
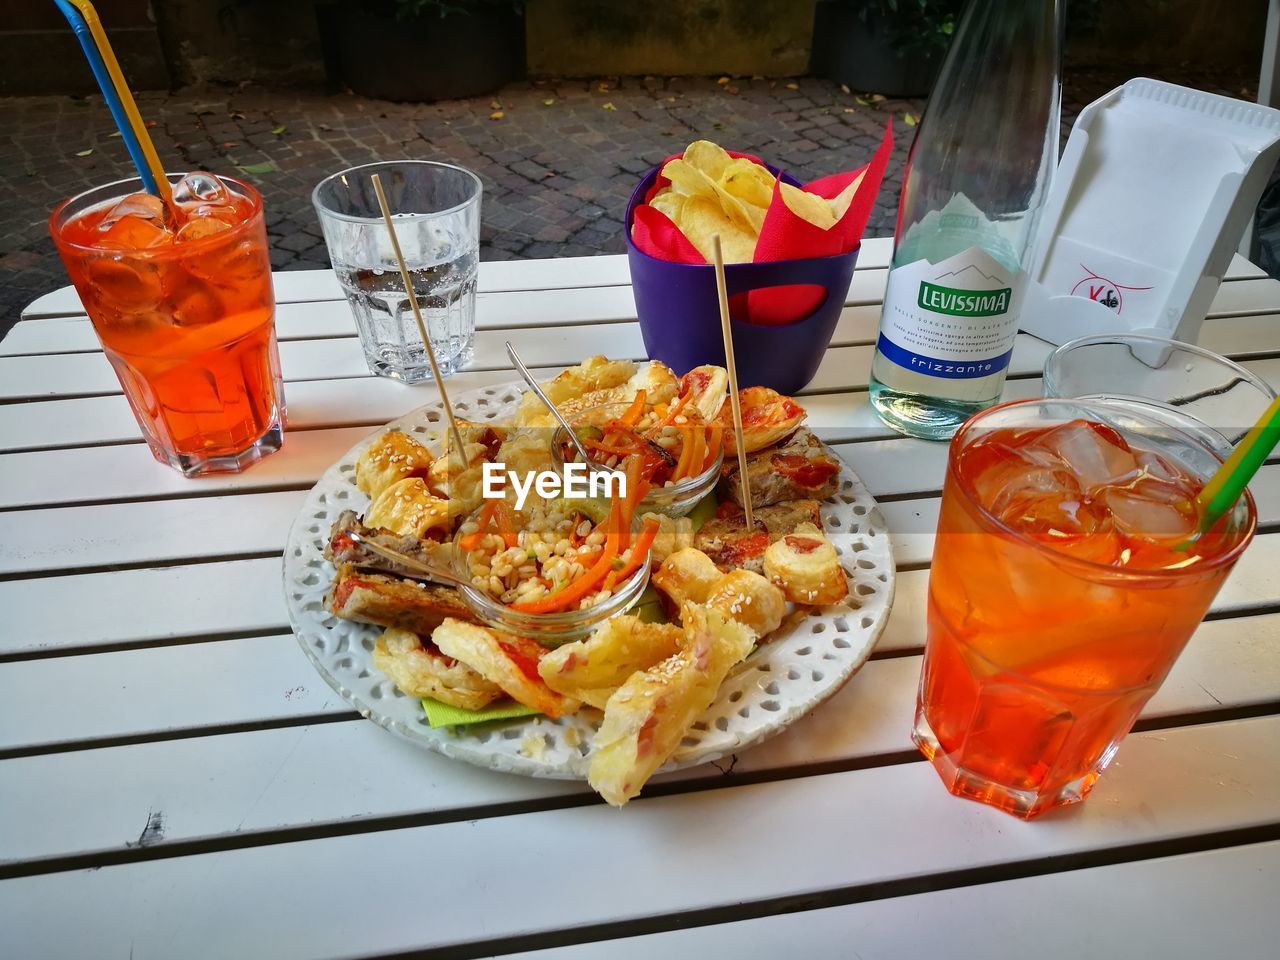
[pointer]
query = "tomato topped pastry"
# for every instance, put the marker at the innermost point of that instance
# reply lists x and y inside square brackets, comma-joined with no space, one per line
[767,417]
[727,541]
[805,565]
[798,467]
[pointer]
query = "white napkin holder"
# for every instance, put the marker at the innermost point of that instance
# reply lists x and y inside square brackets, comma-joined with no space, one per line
[1148,205]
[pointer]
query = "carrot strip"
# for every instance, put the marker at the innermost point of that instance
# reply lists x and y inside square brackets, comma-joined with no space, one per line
[671,413]
[636,489]
[695,442]
[686,458]
[608,448]
[635,411]
[506,526]
[574,592]
[636,556]
[585,584]
[485,521]
[715,435]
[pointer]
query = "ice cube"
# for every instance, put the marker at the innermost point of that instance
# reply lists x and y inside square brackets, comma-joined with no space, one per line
[1151,509]
[135,233]
[138,206]
[198,189]
[198,228]
[227,213]
[123,289]
[232,265]
[195,303]
[1005,479]
[1095,453]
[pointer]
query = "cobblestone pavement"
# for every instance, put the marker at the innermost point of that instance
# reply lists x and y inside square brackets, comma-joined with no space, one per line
[558,158]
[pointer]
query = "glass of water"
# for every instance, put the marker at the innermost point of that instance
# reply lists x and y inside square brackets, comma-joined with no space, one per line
[436,209]
[1193,387]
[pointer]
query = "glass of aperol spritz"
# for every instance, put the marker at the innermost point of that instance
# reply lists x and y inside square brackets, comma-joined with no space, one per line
[1068,574]
[180,296]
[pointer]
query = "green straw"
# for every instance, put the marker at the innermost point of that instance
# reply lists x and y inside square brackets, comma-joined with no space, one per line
[1225,487]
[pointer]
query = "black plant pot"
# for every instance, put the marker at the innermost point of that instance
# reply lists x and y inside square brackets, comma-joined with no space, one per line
[421,58]
[861,55]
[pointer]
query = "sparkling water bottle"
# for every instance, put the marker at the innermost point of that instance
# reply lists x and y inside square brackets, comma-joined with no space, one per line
[976,179]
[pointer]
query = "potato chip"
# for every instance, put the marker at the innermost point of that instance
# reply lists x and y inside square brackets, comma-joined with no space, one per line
[808,206]
[749,182]
[687,179]
[708,157]
[702,217]
[840,202]
[668,202]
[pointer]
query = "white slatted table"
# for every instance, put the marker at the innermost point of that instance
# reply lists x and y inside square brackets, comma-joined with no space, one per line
[176,781]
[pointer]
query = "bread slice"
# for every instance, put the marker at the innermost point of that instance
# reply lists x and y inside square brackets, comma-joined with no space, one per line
[389,601]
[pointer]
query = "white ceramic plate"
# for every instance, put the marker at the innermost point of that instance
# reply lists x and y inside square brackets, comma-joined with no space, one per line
[801,666]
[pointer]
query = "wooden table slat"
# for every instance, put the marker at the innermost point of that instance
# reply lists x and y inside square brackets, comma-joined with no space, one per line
[517,276]
[1127,907]
[257,679]
[786,839]
[181,603]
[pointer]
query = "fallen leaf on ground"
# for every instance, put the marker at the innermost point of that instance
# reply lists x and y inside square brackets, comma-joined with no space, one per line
[278,130]
[909,119]
[608,106]
[722,81]
[549,101]
[497,115]
[793,86]
[85,153]
[494,105]
[259,168]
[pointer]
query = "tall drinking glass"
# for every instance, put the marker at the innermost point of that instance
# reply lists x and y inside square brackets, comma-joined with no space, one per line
[436,208]
[181,299]
[1062,590]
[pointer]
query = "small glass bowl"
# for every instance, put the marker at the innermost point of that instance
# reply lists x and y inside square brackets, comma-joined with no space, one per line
[548,629]
[676,500]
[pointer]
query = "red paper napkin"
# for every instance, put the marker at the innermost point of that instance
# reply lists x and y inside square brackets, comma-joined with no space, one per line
[783,236]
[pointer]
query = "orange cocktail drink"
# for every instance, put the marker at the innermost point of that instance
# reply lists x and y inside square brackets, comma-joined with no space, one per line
[180,297]
[1067,577]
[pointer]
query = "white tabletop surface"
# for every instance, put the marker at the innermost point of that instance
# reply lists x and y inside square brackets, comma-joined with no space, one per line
[177,781]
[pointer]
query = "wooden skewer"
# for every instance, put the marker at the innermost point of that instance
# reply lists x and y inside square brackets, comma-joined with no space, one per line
[732,371]
[417,315]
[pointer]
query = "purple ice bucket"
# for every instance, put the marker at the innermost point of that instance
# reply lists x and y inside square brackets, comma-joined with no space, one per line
[679,311]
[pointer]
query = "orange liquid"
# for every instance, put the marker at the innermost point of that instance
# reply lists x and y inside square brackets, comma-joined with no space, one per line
[189,329]
[1036,667]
